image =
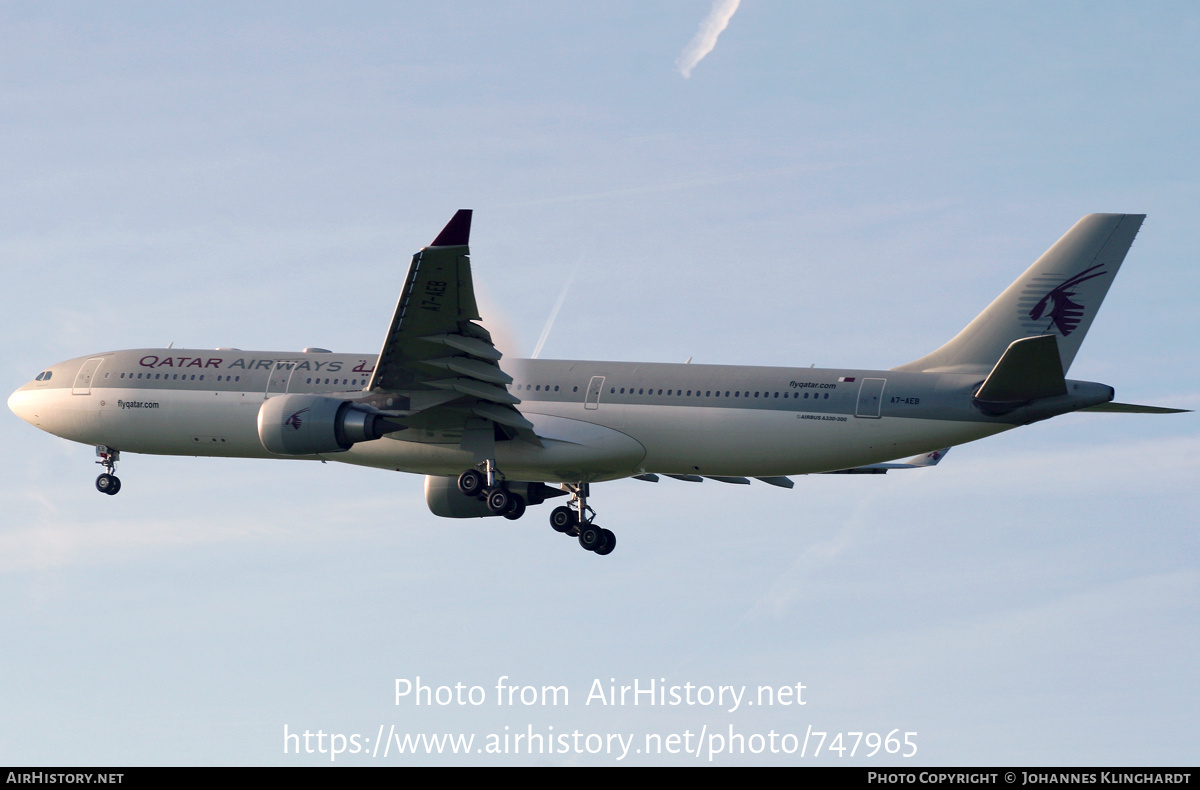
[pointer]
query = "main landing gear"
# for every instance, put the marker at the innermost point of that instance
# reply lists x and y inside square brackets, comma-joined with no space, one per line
[108,483]
[486,484]
[575,519]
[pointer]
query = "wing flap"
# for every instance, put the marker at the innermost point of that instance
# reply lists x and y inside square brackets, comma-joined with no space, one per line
[505,416]
[471,368]
[468,345]
[476,389]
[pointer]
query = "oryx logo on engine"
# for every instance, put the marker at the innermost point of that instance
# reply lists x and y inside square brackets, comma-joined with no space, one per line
[294,421]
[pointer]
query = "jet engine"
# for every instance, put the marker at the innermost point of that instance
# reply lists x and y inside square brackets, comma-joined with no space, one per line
[445,500]
[313,424]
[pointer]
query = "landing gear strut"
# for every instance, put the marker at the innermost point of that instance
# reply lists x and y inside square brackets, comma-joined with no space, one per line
[486,483]
[575,519]
[108,483]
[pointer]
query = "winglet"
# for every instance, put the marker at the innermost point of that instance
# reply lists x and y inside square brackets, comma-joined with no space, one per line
[457,231]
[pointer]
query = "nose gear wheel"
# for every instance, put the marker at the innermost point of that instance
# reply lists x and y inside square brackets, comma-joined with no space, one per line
[108,482]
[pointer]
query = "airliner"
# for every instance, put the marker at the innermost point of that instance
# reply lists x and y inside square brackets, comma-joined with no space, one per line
[495,435]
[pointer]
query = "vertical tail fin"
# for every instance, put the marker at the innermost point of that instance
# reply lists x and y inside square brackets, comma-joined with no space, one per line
[1058,295]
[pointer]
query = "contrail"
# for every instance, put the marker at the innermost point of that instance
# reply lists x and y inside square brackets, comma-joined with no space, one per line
[706,37]
[562,297]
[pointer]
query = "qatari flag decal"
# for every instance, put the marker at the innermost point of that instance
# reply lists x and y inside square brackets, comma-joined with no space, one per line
[845,379]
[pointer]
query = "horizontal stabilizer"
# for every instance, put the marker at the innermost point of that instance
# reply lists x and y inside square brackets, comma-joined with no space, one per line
[1029,369]
[1133,408]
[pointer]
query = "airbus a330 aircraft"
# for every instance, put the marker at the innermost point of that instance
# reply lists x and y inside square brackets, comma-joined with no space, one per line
[494,435]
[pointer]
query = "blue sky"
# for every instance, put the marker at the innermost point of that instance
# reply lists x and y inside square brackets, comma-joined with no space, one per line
[842,185]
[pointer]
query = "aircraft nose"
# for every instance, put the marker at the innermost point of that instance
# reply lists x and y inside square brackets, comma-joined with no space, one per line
[21,404]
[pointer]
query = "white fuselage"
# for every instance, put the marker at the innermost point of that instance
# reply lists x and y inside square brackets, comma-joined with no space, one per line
[597,420]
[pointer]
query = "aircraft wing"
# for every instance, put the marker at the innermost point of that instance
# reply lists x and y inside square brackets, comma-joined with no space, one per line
[916,462]
[438,369]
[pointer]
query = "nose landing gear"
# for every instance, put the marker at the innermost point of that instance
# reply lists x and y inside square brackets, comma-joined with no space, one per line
[108,482]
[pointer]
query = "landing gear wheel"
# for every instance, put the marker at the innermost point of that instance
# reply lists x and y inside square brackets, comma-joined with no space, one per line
[607,544]
[498,501]
[108,484]
[562,518]
[590,536]
[470,483]
[516,507]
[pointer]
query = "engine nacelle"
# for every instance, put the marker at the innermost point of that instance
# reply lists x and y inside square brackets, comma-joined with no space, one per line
[445,500]
[313,424]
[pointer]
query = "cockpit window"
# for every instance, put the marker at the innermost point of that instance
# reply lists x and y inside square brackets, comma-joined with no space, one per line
[44,375]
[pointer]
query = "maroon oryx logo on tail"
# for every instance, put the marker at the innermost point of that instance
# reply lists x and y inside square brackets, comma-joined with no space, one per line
[1064,313]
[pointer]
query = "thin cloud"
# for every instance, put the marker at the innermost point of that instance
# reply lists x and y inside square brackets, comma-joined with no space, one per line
[706,37]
